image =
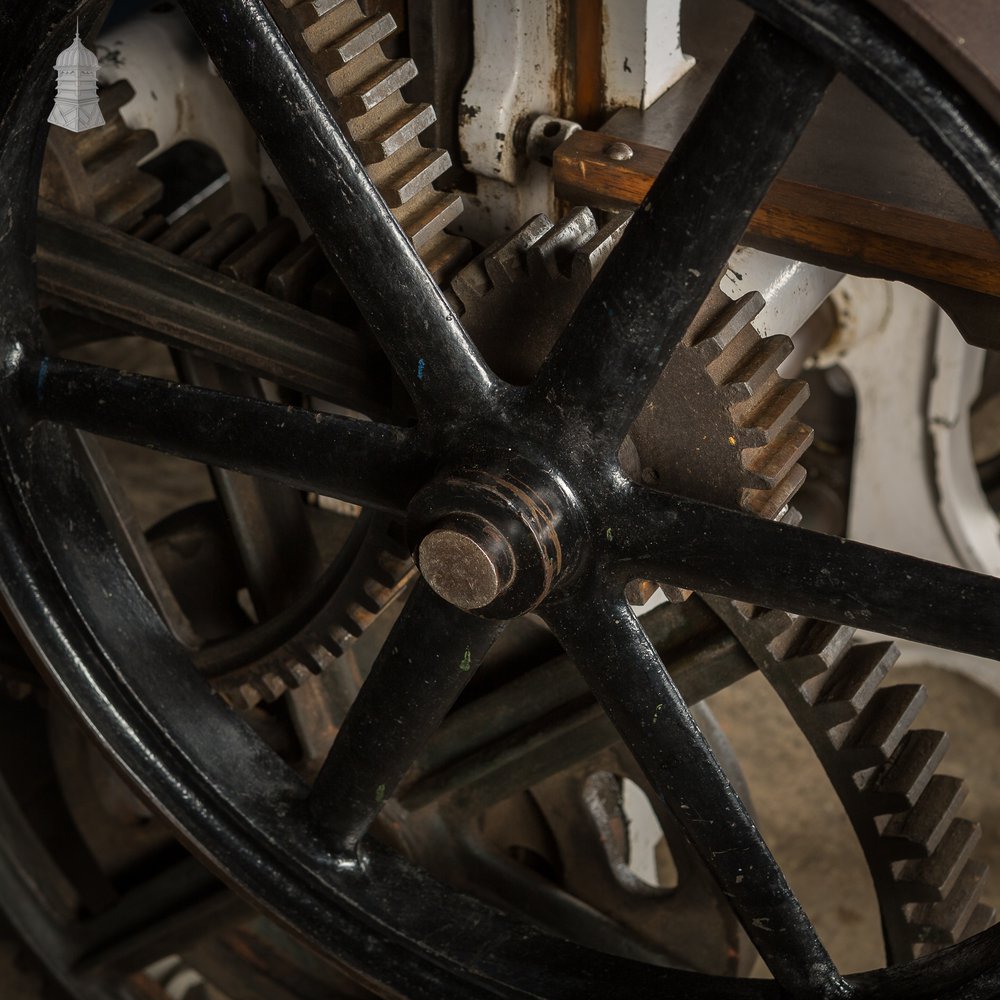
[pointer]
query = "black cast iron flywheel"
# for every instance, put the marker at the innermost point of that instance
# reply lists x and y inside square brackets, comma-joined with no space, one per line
[523,481]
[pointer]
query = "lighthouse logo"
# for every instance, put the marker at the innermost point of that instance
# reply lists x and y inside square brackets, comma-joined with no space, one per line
[77,107]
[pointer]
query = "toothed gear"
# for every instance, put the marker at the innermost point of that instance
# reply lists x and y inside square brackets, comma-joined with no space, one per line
[96,173]
[374,566]
[340,45]
[919,852]
[733,439]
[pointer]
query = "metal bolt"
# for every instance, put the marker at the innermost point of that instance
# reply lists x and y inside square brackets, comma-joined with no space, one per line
[619,151]
[470,564]
[542,135]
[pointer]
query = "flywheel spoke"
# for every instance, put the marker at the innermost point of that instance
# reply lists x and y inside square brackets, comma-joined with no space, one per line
[425,664]
[736,555]
[626,674]
[544,721]
[416,328]
[355,460]
[681,237]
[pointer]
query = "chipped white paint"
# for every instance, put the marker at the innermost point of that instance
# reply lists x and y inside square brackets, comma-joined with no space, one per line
[792,290]
[179,96]
[642,54]
[516,75]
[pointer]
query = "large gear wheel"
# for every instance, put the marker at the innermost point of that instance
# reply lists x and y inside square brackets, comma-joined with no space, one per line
[884,771]
[340,44]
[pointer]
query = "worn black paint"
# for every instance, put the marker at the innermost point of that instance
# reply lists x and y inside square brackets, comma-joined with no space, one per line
[429,657]
[681,237]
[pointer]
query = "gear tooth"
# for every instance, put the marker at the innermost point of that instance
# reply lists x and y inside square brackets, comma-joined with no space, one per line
[252,260]
[427,214]
[764,417]
[770,463]
[115,96]
[766,622]
[367,602]
[180,235]
[880,728]
[731,321]
[309,661]
[414,174]
[219,242]
[444,255]
[807,652]
[933,878]
[394,134]
[807,638]
[384,576]
[332,646]
[109,168]
[748,375]
[505,260]
[590,258]
[340,36]
[942,923]
[288,676]
[471,283]
[294,276]
[150,227]
[376,87]
[242,698]
[791,516]
[555,251]
[853,683]
[899,785]
[270,686]
[917,832]
[983,917]
[770,503]
[350,623]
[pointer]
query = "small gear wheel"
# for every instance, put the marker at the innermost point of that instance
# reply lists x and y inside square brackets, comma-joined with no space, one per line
[733,439]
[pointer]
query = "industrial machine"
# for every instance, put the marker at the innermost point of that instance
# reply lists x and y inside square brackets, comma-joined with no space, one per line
[413,413]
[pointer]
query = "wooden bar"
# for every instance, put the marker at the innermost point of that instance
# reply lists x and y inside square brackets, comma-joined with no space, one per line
[832,228]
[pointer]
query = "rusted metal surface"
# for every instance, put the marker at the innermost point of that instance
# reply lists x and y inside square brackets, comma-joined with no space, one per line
[95,173]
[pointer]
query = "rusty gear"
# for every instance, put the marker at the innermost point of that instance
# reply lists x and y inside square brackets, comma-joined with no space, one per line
[340,46]
[884,772]
[96,174]
[741,448]
[375,565]
[733,440]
